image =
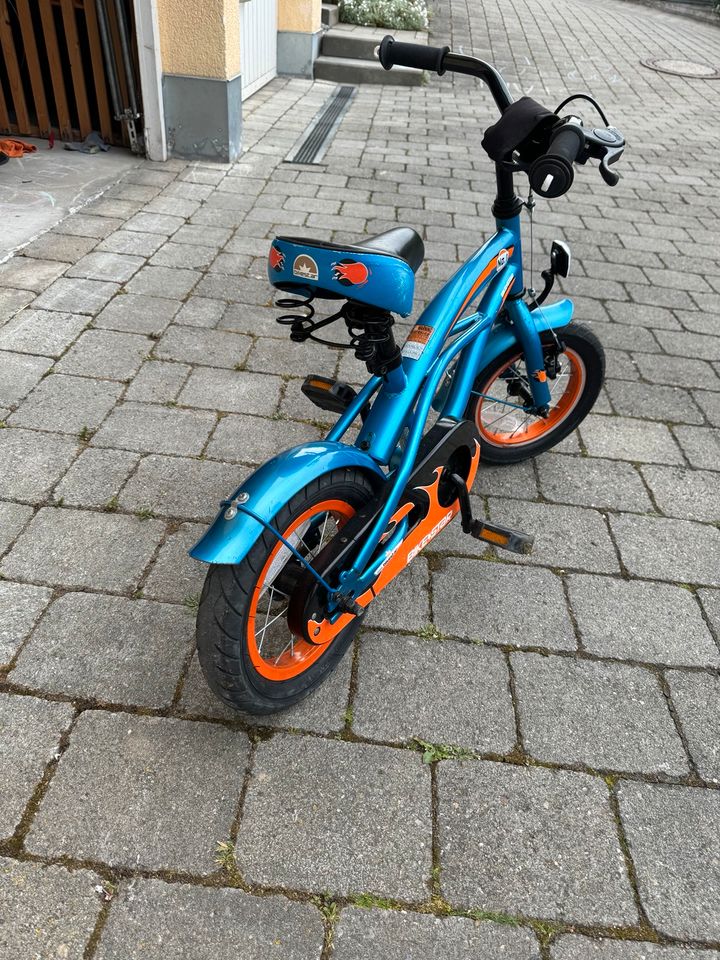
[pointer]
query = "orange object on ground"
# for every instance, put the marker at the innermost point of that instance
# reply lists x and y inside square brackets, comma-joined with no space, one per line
[16,148]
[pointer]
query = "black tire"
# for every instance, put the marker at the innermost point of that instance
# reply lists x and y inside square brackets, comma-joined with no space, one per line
[583,344]
[226,606]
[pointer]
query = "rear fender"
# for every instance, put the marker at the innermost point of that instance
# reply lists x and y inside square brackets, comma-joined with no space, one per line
[232,534]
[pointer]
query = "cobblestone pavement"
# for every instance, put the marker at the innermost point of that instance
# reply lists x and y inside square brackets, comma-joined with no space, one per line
[567,803]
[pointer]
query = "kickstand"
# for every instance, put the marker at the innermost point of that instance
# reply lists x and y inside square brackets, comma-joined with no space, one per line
[499,536]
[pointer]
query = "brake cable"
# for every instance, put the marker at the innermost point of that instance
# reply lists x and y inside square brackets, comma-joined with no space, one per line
[583,96]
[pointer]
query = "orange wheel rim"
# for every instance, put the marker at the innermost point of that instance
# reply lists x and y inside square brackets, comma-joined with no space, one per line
[502,425]
[275,652]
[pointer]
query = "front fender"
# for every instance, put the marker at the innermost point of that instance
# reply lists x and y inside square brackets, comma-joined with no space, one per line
[502,336]
[270,488]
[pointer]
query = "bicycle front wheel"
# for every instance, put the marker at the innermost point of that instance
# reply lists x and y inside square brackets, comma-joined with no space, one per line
[509,433]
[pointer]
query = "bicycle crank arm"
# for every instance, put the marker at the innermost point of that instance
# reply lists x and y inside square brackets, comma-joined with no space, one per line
[495,533]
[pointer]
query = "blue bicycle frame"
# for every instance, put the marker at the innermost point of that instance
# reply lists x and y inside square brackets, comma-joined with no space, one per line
[444,334]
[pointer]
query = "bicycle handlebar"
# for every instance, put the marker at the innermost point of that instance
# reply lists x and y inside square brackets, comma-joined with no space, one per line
[552,174]
[391,54]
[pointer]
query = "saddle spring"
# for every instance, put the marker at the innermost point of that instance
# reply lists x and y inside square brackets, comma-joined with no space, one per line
[369,329]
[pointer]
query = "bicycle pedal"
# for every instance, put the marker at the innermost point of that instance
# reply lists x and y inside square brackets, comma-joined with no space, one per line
[499,536]
[332,395]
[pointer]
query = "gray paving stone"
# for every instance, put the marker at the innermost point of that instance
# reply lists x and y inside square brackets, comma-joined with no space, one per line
[539,614]
[242,289]
[158,381]
[373,801]
[13,517]
[696,697]
[175,576]
[564,536]
[159,223]
[24,273]
[651,401]
[13,300]
[59,246]
[321,712]
[19,374]
[607,716]
[163,282]
[138,650]
[31,463]
[132,243]
[531,841]
[192,923]
[270,355]
[672,832]
[677,371]
[106,354]
[157,793]
[156,429]
[200,312]
[711,604]
[213,348]
[636,620]
[247,439]
[581,948]
[621,438]
[709,403]
[405,602]
[133,313]
[103,265]
[236,392]
[30,732]
[701,445]
[175,487]
[459,694]
[41,332]
[183,256]
[71,548]
[360,934]
[20,607]
[85,225]
[67,404]
[593,483]
[77,296]
[519,482]
[688,494]
[95,477]
[674,550]
[47,911]
[255,320]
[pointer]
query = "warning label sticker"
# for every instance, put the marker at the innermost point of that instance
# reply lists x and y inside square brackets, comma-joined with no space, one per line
[417,341]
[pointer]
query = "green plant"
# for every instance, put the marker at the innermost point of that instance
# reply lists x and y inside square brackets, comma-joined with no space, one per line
[145,513]
[394,14]
[192,603]
[225,854]
[441,751]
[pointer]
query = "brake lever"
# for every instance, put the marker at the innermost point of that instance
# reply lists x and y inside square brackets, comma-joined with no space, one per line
[605,144]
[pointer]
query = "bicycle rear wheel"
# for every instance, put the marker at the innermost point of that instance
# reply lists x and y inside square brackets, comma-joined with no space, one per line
[250,657]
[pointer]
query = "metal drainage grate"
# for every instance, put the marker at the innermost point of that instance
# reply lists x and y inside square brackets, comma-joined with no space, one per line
[684,68]
[313,144]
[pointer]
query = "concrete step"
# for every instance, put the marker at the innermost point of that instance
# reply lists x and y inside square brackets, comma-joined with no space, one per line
[330,15]
[351,46]
[341,70]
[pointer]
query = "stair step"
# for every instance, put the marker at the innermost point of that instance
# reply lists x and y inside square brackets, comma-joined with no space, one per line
[330,15]
[352,46]
[342,70]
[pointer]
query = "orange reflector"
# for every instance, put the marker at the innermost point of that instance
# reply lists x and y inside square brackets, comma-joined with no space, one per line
[494,537]
[320,384]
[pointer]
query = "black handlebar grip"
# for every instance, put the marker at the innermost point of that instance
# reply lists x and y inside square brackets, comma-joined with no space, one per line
[391,53]
[552,174]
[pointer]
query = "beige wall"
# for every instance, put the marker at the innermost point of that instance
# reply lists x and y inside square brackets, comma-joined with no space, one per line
[201,38]
[300,16]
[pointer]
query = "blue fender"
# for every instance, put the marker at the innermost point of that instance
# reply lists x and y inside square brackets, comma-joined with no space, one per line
[502,336]
[270,488]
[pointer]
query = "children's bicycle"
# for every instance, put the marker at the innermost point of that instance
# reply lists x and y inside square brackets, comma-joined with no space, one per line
[303,547]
